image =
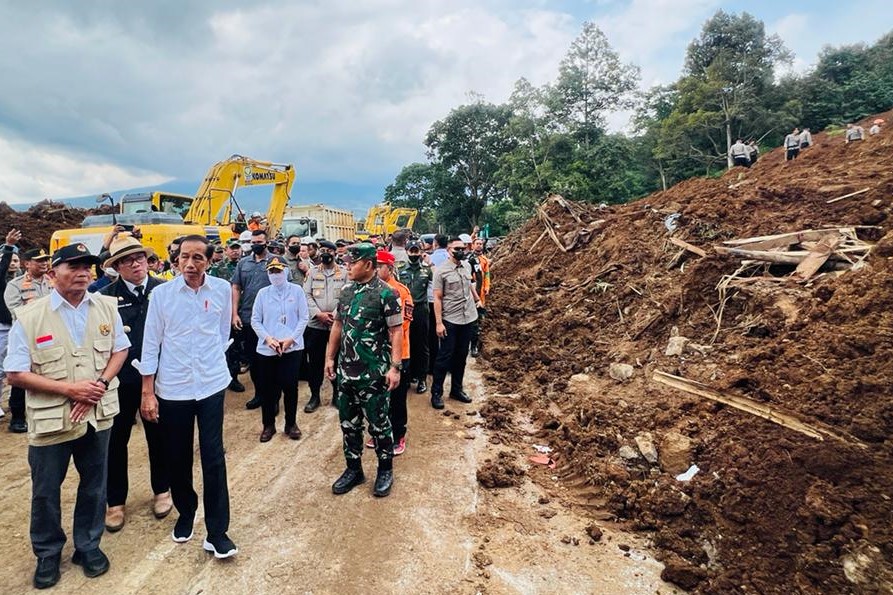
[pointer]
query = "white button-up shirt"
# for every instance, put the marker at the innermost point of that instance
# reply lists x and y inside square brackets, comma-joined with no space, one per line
[281,313]
[186,337]
[18,357]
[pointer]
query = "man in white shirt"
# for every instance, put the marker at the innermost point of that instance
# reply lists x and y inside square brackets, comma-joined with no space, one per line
[279,317]
[184,380]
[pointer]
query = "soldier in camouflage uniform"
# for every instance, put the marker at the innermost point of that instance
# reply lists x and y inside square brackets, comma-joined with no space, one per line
[368,341]
[224,270]
[417,275]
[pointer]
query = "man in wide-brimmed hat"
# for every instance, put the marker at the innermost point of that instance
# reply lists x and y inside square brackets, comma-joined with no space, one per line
[131,291]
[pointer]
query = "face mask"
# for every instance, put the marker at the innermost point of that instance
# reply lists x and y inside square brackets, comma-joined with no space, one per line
[258,248]
[277,279]
[327,258]
[459,254]
[414,258]
[293,250]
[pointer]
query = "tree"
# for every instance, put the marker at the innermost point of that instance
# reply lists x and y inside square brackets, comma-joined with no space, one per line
[726,86]
[468,143]
[592,80]
[421,186]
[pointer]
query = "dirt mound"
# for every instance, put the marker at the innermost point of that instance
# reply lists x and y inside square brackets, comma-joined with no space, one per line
[38,223]
[770,510]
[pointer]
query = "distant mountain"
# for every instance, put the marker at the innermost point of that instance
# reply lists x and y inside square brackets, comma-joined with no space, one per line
[354,197]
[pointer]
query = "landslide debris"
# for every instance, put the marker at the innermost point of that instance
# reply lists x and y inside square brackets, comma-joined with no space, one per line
[770,510]
[38,223]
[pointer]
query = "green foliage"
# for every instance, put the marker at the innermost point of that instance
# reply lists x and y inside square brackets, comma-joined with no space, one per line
[495,163]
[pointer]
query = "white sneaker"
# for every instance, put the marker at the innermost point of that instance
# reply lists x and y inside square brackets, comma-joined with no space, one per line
[2,413]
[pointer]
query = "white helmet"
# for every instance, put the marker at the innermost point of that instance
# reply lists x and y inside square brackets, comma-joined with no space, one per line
[245,237]
[257,214]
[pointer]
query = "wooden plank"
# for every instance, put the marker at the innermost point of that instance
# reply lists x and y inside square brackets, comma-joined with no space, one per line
[794,257]
[796,236]
[812,263]
[857,192]
[767,412]
[689,247]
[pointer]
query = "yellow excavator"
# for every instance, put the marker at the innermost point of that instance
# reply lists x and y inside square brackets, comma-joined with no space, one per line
[162,217]
[383,220]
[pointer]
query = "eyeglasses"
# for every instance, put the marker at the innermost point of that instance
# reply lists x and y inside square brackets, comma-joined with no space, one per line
[133,259]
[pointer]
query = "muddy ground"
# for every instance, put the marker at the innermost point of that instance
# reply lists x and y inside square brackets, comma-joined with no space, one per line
[438,532]
[771,510]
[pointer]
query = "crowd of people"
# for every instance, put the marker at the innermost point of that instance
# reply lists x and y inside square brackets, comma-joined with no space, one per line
[90,343]
[745,154]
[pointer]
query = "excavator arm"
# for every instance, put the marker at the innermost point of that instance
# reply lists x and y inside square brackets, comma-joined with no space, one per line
[215,198]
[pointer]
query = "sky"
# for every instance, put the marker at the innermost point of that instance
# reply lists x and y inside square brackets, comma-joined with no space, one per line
[101,95]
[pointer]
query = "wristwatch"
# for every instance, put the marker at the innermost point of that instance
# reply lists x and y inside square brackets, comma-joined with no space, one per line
[397,365]
[104,381]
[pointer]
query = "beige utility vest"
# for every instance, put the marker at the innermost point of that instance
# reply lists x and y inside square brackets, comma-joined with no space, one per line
[49,415]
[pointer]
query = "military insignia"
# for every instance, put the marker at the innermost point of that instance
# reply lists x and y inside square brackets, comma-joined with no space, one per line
[42,252]
[82,248]
[105,329]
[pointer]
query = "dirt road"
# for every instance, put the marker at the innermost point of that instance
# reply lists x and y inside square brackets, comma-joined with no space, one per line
[438,532]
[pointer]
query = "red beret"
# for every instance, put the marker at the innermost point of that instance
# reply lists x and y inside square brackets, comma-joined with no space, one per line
[385,257]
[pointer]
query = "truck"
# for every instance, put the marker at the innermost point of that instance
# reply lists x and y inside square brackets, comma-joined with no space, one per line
[383,219]
[318,221]
[163,217]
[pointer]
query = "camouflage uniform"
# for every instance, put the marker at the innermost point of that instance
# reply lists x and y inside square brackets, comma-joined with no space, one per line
[223,269]
[366,312]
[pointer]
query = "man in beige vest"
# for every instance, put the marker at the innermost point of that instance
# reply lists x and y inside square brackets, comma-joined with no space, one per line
[65,350]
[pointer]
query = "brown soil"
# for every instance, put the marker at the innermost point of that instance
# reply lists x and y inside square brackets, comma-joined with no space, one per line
[39,222]
[772,510]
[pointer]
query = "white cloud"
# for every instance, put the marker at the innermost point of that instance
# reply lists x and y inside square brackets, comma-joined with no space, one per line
[36,173]
[792,28]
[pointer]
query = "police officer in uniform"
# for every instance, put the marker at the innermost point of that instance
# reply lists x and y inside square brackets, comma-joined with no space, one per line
[367,338]
[323,288]
[65,350]
[417,274]
[131,291]
[35,283]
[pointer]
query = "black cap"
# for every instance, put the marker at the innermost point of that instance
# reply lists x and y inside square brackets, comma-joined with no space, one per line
[327,244]
[414,245]
[35,254]
[340,243]
[74,253]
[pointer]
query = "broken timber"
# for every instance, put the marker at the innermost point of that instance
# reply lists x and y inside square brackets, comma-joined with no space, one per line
[817,257]
[761,410]
[694,249]
[857,192]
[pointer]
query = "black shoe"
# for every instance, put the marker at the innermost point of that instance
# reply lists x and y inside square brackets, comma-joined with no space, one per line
[422,387]
[47,573]
[183,529]
[461,397]
[437,401]
[383,482]
[348,481]
[18,426]
[253,403]
[94,562]
[221,545]
[475,351]
[312,405]
[236,386]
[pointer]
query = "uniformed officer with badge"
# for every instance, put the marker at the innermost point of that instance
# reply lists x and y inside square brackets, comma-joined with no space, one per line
[367,339]
[322,287]
[65,350]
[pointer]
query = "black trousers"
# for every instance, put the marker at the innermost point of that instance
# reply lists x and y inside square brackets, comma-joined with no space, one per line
[234,353]
[129,396]
[433,339]
[315,342]
[279,378]
[741,161]
[398,412]
[451,357]
[178,420]
[249,351]
[49,465]
[791,154]
[17,403]
[418,344]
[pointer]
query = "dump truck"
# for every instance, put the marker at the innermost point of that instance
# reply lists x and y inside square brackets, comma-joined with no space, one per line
[318,221]
[383,220]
